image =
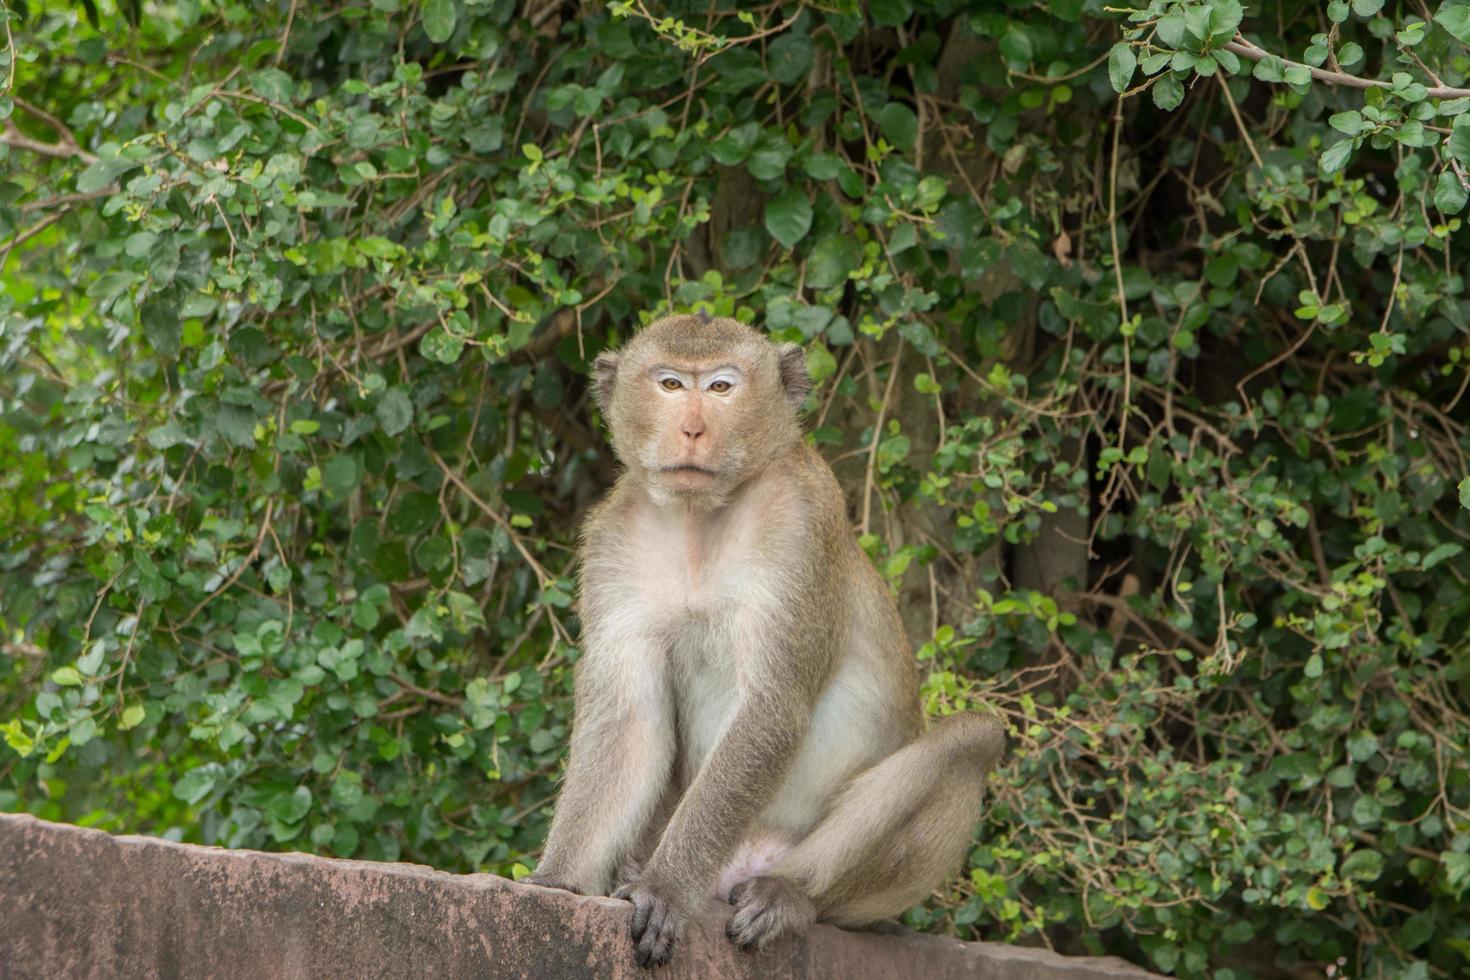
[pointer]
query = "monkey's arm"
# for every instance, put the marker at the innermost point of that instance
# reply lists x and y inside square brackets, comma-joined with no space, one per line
[738,780]
[622,750]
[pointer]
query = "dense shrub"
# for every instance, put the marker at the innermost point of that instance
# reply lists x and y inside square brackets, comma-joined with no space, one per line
[1151,408]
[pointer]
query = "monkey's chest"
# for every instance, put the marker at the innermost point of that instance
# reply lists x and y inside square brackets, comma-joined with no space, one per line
[705,606]
[705,684]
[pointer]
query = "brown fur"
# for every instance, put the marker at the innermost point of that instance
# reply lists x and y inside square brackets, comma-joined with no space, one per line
[746,710]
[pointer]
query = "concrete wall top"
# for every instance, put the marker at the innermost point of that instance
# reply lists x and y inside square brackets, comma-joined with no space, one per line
[82,903]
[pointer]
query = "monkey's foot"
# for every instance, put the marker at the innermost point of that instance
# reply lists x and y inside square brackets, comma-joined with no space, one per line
[656,926]
[767,908]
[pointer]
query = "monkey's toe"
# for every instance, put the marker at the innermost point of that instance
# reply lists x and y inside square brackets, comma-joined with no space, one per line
[766,909]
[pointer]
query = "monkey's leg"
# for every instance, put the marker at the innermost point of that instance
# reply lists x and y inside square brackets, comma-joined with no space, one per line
[892,835]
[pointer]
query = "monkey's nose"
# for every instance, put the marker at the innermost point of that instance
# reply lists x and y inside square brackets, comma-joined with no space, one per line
[693,428]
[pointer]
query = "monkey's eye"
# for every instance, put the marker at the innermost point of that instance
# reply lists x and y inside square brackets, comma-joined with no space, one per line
[720,387]
[671,384]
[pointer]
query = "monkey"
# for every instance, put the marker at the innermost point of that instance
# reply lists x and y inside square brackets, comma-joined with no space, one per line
[746,720]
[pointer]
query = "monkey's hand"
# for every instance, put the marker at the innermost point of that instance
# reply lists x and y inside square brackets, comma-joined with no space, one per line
[659,917]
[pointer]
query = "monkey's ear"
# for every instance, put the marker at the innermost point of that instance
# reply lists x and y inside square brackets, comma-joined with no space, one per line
[604,374]
[794,379]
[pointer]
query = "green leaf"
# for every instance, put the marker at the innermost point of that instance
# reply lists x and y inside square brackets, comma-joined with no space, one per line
[413,513]
[833,258]
[90,663]
[1417,930]
[1298,77]
[1456,871]
[439,19]
[1362,865]
[890,13]
[1362,746]
[464,612]
[789,216]
[1016,48]
[66,676]
[109,286]
[1167,92]
[161,325]
[395,411]
[789,58]
[824,166]
[820,364]
[131,717]
[1171,30]
[197,783]
[102,173]
[1337,156]
[342,473]
[235,425]
[1225,17]
[899,125]
[272,84]
[1270,69]
[1449,193]
[291,806]
[731,149]
[1459,141]
[1465,493]
[163,259]
[1455,18]
[769,159]
[1121,64]
[442,346]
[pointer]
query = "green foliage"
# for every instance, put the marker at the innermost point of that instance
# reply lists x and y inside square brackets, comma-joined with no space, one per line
[1150,409]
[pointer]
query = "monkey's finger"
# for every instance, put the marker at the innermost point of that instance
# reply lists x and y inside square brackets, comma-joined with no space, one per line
[751,927]
[738,891]
[738,929]
[663,946]
[659,912]
[642,909]
[648,943]
[623,891]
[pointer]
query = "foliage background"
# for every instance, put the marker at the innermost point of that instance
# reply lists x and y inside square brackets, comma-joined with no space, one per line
[1151,409]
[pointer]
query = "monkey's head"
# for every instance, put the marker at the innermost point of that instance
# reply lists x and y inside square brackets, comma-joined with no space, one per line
[698,405]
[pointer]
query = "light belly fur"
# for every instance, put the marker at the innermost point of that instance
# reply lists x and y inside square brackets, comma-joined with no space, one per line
[846,735]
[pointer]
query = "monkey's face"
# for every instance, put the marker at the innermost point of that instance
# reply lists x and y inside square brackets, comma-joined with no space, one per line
[698,414]
[696,407]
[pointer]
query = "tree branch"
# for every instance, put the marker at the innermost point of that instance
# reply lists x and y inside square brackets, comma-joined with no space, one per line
[14,137]
[1250,52]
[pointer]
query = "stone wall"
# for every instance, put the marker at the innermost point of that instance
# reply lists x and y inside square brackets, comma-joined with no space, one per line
[80,903]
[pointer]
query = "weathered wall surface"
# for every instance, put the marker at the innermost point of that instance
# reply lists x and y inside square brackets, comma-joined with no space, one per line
[81,903]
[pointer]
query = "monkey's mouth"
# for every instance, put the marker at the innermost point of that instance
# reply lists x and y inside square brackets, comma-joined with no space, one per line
[688,468]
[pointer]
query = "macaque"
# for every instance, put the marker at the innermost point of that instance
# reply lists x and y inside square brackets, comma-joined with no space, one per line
[746,721]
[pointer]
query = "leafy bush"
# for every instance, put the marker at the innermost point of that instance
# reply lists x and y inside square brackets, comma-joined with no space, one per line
[1150,407]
